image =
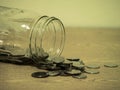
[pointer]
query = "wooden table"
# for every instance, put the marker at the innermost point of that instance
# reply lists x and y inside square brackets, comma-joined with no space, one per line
[92,45]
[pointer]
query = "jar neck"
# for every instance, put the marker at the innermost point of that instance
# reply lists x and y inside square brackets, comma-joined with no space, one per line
[47,33]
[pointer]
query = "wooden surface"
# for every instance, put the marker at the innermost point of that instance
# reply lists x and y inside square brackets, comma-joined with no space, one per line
[93,46]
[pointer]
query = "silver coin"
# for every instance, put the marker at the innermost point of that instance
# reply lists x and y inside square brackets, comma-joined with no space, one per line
[81,76]
[110,65]
[45,55]
[68,62]
[73,72]
[5,53]
[77,64]
[93,66]
[54,73]
[91,71]
[58,60]
[40,74]
[73,59]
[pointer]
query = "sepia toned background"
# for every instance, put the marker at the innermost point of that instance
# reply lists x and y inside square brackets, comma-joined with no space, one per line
[92,34]
[77,13]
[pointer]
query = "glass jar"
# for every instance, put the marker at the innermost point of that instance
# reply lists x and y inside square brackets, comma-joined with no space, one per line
[23,32]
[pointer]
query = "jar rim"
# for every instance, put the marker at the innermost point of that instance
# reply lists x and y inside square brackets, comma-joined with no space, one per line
[42,23]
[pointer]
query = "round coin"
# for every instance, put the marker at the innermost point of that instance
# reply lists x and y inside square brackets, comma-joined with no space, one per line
[58,60]
[73,59]
[110,65]
[93,66]
[40,74]
[73,72]
[45,55]
[54,73]
[81,76]
[92,71]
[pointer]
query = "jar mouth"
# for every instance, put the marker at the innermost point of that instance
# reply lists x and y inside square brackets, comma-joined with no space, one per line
[47,33]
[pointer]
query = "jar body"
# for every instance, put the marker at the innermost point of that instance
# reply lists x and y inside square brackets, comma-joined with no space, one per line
[24,33]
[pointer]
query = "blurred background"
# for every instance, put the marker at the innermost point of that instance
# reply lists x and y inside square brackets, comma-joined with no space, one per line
[75,13]
[92,34]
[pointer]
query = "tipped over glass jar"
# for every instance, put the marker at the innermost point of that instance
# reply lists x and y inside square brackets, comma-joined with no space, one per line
[25,33]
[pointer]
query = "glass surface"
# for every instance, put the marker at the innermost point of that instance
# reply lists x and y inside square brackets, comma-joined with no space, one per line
[24,32]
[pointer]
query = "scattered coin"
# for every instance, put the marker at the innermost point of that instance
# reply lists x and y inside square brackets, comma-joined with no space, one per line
[68,66]
[40,74]
[42,66]
[65,65]
[55,65]
[73,72]
[77,65]
[81,76]
[54,73]
[93,66]
[81,68]
[58,60]
[73,59]
[110,65]
[92,71]
[62,73]
[68,62]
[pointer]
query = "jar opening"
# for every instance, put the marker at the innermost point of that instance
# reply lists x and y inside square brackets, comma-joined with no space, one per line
[47,33]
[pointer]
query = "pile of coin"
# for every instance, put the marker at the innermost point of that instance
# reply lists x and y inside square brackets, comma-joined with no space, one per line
[54,66]
[60,66]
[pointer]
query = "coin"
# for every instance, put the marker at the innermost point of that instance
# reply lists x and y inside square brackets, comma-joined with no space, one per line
[77,65]
[81,68]
[42,66]
[65,65]
[62,73]
[81,62]
[73,72]
[40,74]
[53,67]
[81,76]
[58,60]
[73,59]
[110,65]
[5,53]
[93,66]
[92,71]
[54,73]
[45,55]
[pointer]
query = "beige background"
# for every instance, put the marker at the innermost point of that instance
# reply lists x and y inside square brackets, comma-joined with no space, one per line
[92,45]
[75,13]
